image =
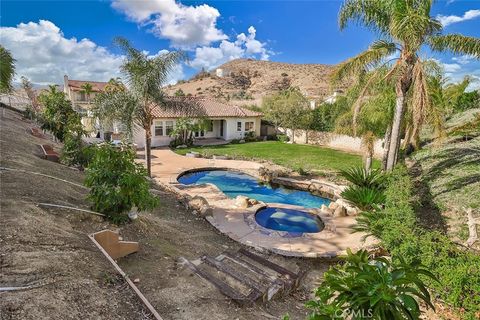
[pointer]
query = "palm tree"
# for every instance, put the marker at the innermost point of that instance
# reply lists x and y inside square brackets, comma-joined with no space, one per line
[115,84]
[145,77]
[403,27]
[87,89]
[7,70]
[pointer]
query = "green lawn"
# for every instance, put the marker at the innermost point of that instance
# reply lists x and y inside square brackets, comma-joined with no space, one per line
[293,156]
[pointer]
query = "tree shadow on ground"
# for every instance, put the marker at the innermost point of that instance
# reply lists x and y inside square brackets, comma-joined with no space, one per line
[428,214]
[450,158]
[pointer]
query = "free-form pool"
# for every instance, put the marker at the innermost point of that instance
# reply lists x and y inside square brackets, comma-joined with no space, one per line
[237,183]
[290,220]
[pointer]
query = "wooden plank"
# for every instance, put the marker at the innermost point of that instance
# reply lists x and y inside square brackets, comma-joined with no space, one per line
[236,258]
[267,263]
[219,284]
[127,279]
[241,277]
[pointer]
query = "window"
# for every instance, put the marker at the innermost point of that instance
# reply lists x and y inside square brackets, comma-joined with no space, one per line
[81,96]
[168,127]
[239,126]
[158,128]
[249,126]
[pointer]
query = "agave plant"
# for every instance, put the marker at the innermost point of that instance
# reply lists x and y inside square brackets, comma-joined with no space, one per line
[371,288]
[364,197]
[361,177]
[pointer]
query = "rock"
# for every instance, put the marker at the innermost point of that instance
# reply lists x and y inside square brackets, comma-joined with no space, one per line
[241,141]
[136,280]
[351,211]
[332,206]
[340,211]
[182,146]
[324,208]
[241,201]
[252,202]
[205,210]
[220,157]
[132,215]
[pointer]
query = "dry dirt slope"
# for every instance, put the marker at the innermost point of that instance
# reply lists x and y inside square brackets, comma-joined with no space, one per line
[266,77]
[50,250]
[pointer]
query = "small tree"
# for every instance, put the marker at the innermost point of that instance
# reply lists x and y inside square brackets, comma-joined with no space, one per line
[179,93]
[57,111]
[117,183]
[28,87]
[87,89]
[74,151]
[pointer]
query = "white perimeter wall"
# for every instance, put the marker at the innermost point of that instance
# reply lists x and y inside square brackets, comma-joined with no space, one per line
[332,140]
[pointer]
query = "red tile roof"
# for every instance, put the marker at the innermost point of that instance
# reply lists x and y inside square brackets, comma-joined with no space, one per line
[76,85]
[200,107]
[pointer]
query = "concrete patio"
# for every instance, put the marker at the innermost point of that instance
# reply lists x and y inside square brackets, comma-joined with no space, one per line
[239,224]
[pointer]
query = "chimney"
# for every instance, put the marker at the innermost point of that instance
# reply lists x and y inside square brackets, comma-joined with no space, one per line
[65,86]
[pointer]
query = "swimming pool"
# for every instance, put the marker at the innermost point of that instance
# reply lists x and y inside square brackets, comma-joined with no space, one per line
[234,183]
[290,220]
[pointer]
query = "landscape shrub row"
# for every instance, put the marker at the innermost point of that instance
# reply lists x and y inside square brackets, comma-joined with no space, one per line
[396,225]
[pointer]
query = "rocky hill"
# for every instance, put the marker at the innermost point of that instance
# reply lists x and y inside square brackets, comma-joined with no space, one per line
[246,81]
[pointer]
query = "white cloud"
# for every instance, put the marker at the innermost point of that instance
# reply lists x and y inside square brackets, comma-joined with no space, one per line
[468,15]
[44,55]
[451,67]
[465,59]
[185,26]
[209,57]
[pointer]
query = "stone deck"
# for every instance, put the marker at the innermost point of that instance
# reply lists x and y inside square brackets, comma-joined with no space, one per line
[238,223]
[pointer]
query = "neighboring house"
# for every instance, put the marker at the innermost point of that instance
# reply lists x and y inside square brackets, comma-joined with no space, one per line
[83,103]
[226,121]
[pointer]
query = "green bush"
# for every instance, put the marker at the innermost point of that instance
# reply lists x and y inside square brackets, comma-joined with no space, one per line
[283,138]
[363,197]
[371,288]
[396,226]
[117,183]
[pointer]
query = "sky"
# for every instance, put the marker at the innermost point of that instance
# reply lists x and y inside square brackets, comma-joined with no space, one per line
[52,38]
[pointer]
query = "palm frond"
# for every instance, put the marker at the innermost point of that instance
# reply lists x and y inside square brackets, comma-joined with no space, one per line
[456,43]
[7,70]
[371,13]
[421,103]
[366,60]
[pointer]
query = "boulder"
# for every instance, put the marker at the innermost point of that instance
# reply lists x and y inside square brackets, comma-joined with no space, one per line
[241,202]
[340,211]
[241,141]
[252,202]
[182,146]
[324,208]
[333,206]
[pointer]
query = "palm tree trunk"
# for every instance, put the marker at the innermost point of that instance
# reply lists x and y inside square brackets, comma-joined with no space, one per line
[396,126]
[148,144]
[368,162]
[386,147]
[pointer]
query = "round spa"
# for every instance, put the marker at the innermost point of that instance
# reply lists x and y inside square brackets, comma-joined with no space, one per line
[290,220]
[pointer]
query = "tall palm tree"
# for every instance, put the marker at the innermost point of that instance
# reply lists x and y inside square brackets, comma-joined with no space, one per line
[403,28]
[115,84]
[87,89]
[145,77]
[7,70]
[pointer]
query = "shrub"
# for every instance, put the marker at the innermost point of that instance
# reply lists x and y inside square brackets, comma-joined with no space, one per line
[396,226]
[117,183]
[363,197]
[361,177]
[282,138]
[374,289]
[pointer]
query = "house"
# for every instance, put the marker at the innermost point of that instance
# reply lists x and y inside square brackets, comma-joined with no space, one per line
[82,102]
[225,121]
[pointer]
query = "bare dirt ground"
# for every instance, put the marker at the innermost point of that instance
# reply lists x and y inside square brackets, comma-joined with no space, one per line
[49,250]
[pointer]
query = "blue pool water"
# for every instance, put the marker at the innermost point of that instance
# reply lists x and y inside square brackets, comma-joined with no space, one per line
[288,220]
[236,183]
